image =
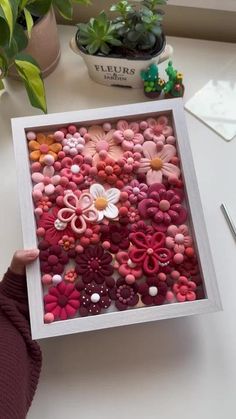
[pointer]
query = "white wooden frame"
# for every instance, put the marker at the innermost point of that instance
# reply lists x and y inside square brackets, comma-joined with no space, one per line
[139,315]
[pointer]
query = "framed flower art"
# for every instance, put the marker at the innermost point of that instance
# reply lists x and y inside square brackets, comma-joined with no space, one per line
[110,198]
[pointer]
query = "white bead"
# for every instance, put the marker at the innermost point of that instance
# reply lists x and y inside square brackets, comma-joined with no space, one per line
[56,279]
[95,297]
[131,264]
[59,225]
[75,168]
[153,291]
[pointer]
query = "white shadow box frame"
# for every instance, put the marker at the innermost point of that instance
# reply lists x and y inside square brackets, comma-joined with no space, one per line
[172,107]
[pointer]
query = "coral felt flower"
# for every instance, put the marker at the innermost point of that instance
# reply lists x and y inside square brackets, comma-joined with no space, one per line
[93,298]
[125,295]
[136,191]
[153,291]
[54,228]
[101,145]
[156,164]
[128,135]
[62,301]
[128,269]
[78,211]
[90,236]
[43,145]
[52,258]
[70,275]
[108,171]
[94,264]
[46,181]
[104,201]
[178,238]
[75,169]
[184,289]
[116,237]
[149,251]
[67,242]
[158,129]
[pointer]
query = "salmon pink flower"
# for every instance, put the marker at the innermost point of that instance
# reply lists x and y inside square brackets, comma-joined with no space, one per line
[101,145]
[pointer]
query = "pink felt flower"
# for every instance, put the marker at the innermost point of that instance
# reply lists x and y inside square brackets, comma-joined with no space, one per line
[45,182]
[184,289]
[158,129]
[73,144]
[130,162]
[149,251]
[178,238]
[128,269]
[94,264]
[75,169]
[101,145]
[153,291]
[133,215]
[52,258]
[62,301]
[42,205]
[163,207]
[125,295]
[53,227]
[94,298]
[128,135]
[156,164]
[136,191]
[78,211]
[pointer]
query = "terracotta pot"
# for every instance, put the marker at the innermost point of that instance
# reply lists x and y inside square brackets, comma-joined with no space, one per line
[44,45]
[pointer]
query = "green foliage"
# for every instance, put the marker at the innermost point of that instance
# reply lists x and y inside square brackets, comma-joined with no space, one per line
[174,85]
[98,35]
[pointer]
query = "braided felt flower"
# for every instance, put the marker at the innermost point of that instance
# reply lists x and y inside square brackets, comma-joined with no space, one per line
[149,251]
[62,301]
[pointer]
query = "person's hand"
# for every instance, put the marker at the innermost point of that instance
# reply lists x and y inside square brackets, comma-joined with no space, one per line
[21,258]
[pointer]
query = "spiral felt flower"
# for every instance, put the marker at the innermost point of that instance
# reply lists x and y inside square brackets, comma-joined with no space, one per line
[42,146]
[73,144]
[184,289]
[157,164]
[94,298]
[128,135]
[128,269]
[104,201]
[116,237]
[94,264]
[62,301]
[108,171]
[54,228]
[163,207]
[153,291]
[78,211]
[75,169]
[125,295]
[46,181]
[52,258]
[136,191]
[158,129]
[149,251]
[101,145]
[178,238]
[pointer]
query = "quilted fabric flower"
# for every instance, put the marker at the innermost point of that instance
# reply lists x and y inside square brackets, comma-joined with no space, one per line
[75,169]
[73,144]
[108,171]
[178,238]
[128,269]
[52,258]
[184,289]
[115,236]
[46,181]
[125,295]
[136,191]
[93,298]
[78,211]
[62,301]
[149,251]
[104,201]
[101,145]
[157,164]
[94,264]
[158,129]
[163,207]
[53,227]
[43,145]
[128,135]
[153,291]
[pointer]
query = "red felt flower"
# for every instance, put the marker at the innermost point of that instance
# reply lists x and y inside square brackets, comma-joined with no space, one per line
[93,298]
[52,258]
[62,301]
[153,291]
[125,295]
[54,228]
[94,264]
[149,251]
[116,237]
[184,289]
[108,171]
[143,227]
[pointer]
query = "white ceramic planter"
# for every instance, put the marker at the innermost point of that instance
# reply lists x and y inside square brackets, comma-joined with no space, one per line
[114,71]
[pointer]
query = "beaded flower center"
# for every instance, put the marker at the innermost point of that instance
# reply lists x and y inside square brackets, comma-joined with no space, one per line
[95,297]
[101,203]
[156,164]
[153,291]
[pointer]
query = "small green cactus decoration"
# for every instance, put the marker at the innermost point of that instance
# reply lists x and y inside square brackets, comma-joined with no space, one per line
[174,86]
[152,81]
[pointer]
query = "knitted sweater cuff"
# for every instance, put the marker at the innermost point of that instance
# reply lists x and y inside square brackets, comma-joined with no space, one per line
[14,286]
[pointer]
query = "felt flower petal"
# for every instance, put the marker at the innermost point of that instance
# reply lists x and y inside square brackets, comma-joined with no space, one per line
[154,176]
[97,190]
[33,145]
[35,155]
[170,169]
[122,125]
[111,211]
[150,150]
[113,195]
[144,165]
[167,153]
[41,139]
[56,147]
[96,133]
[37,177]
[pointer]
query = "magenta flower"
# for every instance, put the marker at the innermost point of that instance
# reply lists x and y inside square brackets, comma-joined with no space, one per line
[62,301]
[178,238]
[116,236]
[75,169]
[136,191]
[53,227]
[184,289]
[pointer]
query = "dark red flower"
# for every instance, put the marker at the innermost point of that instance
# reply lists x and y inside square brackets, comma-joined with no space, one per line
[62,301]
[94,264]
[54,228]
[116,235]
[125,295]
[153,291]
[52,258]
[143,227]
[93,298]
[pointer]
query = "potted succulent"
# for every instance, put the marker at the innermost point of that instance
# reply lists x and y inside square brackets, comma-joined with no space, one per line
[116,50]
[29,44]
[174,87]
[153,84]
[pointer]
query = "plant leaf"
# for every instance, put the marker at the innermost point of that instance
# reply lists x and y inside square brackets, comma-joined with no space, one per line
[3,66]
[18,43]
[4,33]
[6,13]
[39,7]
[2,87]
[30,74]
[29,21]
[64,7]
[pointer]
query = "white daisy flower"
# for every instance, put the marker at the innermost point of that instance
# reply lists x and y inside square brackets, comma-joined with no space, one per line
[104,201]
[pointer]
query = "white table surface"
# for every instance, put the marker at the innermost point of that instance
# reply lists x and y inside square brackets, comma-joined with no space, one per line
[181,368]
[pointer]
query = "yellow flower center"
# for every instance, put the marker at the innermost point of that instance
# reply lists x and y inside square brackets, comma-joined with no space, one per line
[156,164]
[101,203]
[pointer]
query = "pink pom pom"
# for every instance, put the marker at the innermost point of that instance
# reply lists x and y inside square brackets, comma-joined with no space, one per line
[58,136]
[170,296]
[161,276]
[106,245]
[36,167]
[47,279]
[159,145]
[102,154]
[40,232]
[72,129]
[86,137]
[61,155]
[124,196]
[106,126]
[83,131]
[49,318]
[170,140]
[31,135]
[178,258]
[38,212]
[143,125]
[175,275]
[138,148]
[79,249]
[129,279]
